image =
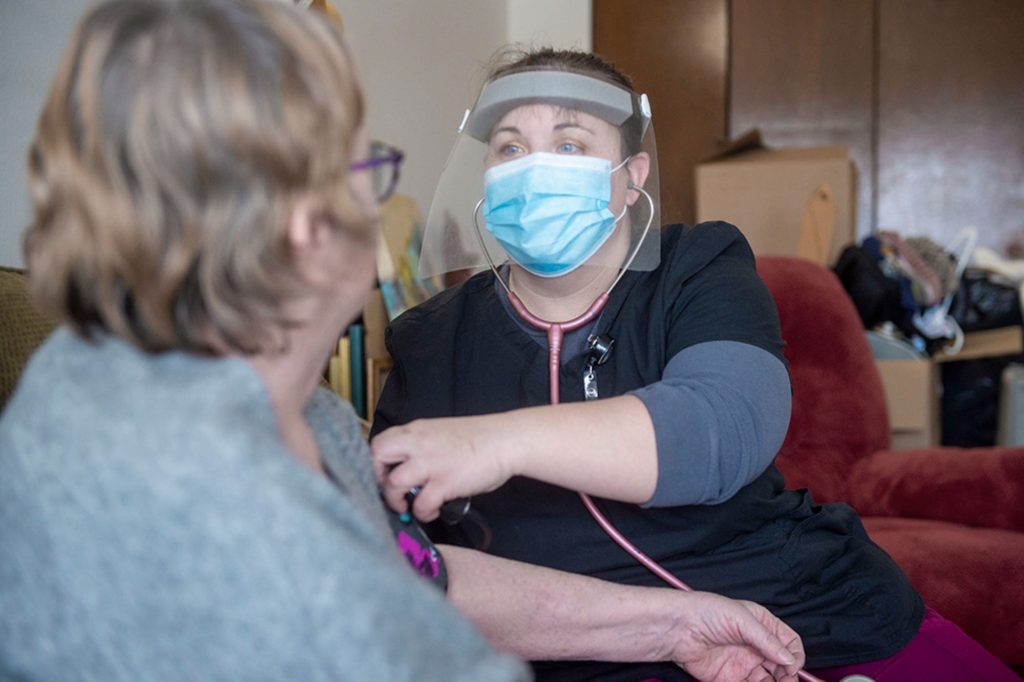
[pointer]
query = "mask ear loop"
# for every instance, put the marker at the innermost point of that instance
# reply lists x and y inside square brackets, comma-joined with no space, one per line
[623,163]
[625,206]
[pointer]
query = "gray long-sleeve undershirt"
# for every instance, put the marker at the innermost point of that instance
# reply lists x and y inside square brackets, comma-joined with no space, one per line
[720,414]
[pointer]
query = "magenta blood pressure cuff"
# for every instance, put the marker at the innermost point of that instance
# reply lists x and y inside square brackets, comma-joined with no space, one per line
[418,550]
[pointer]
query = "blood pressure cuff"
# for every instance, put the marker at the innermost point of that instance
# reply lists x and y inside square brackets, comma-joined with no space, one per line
[418,550]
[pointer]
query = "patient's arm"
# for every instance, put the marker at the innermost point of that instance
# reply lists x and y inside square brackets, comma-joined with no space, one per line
[543,614]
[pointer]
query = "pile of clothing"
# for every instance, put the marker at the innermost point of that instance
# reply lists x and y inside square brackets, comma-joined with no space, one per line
[908,284]
[929,296]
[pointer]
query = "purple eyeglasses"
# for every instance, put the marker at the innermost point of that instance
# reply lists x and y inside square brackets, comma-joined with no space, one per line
[383,163]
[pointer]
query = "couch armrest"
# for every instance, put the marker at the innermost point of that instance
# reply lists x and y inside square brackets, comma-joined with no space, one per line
[981,487]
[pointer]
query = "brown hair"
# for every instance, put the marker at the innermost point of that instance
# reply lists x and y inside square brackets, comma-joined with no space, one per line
[516,60]
[176,141]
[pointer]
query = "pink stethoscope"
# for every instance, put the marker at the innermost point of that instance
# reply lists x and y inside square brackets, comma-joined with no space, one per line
[556,332]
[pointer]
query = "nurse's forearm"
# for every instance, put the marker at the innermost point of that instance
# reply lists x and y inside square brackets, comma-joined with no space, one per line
[605,448]
[542,614]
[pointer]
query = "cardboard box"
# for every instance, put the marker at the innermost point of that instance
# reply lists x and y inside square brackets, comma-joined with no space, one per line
[913,388]
[794,202]
[912,398]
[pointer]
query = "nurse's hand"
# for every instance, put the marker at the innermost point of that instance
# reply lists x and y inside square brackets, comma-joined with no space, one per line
[445,458]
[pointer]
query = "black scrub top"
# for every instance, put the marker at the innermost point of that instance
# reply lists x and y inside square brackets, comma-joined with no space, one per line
[460,353]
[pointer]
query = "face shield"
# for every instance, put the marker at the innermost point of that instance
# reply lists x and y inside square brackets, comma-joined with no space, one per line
[553,171]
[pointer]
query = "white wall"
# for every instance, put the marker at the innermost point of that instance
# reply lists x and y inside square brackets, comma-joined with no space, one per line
[421,63]
[543,23]
[32,37]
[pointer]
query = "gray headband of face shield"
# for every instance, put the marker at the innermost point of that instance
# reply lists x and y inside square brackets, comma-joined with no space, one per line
[570,90]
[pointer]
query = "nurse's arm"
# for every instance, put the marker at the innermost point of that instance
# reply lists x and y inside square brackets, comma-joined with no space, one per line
[542,614]
[605,448]
[711,425]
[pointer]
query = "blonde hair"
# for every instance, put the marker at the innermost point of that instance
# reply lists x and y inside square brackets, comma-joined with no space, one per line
[176,141]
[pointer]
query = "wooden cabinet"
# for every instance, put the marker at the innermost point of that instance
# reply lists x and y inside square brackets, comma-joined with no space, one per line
[927,95]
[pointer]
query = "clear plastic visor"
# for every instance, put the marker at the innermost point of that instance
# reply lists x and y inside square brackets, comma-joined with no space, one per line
[505,129]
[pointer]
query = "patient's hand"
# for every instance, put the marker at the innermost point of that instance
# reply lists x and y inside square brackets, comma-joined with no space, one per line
[725,640]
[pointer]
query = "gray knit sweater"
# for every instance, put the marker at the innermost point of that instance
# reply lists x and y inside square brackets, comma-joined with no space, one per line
[154,527]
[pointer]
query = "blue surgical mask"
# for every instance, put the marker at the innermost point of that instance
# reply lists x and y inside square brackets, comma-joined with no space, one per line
[550,211]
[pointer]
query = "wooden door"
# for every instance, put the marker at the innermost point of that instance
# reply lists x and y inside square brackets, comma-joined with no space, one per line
[802,71]
[676,51]
[951,119]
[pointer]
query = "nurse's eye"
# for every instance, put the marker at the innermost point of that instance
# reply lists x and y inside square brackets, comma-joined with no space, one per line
[511,149]
[569,148]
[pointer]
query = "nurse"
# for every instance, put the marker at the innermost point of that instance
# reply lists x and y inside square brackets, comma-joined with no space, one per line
[674,398]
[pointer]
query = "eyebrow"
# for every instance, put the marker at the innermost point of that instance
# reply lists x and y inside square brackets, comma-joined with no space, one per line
[558,126]
[572,124]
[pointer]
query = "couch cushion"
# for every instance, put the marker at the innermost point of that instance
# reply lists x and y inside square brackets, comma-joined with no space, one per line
[981,487]
[22,329]
[958,570]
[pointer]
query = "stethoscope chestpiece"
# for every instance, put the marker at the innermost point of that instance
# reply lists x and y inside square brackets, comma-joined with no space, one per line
[452,512]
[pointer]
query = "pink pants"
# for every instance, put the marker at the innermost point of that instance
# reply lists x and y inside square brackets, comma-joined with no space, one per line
[939,652]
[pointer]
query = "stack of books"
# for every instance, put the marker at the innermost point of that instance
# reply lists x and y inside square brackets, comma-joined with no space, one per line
[356,374]
[358,369]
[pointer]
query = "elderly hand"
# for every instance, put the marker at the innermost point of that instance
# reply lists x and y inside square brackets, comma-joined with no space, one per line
[444,458]
[725,640]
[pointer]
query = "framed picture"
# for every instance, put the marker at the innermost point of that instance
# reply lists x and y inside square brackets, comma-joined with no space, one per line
[376,374]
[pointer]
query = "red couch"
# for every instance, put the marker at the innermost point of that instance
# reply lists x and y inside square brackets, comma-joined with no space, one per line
[952,518]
